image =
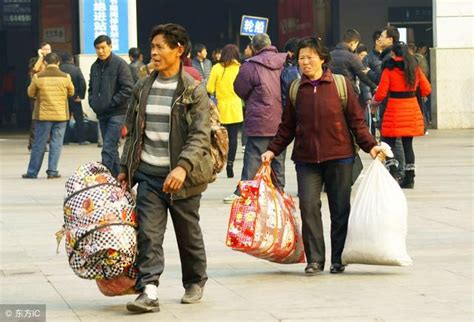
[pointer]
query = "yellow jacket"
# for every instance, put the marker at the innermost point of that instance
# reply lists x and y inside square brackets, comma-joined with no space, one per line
[221,82]
[51,89]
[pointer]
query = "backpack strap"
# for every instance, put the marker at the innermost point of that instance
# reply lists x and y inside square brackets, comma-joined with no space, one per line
[294,87]
[341,87]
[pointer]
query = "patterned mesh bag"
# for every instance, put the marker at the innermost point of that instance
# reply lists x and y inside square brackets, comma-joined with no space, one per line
[100,229]
[264,223]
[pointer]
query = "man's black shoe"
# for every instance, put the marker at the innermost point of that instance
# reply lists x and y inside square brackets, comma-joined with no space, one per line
[337,268]
[28,176]
[54,176]
[313,268]
[192,294]
[143,304]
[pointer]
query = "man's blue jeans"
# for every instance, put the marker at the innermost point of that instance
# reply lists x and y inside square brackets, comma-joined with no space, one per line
[111,129]
[43,129]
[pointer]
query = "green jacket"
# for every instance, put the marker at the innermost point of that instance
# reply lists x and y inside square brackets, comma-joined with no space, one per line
[190,133]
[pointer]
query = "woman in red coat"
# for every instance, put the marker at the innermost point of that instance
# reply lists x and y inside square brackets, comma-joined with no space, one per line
[403,117]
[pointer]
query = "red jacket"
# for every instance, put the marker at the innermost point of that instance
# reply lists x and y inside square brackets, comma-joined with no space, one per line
[319,126]
[402,116]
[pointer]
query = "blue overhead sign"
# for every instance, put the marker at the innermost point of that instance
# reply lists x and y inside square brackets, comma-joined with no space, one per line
[104,17]
[250,25]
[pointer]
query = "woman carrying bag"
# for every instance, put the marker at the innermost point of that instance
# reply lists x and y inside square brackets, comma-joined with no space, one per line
[323,151]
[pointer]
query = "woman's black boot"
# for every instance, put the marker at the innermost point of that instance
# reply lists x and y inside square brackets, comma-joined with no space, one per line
[409,180]
[230,169]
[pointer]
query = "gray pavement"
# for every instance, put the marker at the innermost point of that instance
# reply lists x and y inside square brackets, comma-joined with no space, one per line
[438,287]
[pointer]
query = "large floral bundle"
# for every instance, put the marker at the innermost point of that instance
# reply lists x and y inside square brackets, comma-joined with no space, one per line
[263,222]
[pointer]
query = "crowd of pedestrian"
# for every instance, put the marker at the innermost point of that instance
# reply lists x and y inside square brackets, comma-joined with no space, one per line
[324,101]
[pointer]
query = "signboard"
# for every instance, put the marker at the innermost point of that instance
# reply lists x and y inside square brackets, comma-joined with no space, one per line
[16,13]
[250,25]
[410,14]
[104,17]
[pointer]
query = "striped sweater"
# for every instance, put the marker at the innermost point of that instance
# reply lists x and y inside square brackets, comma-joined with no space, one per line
[155,155]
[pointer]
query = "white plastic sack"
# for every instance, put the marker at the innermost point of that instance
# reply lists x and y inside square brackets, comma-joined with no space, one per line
[378,221]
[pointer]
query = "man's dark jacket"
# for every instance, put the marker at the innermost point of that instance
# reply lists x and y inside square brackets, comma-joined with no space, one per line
[77,79]
[373,61]
[110,87]
[346,63]
[190,133]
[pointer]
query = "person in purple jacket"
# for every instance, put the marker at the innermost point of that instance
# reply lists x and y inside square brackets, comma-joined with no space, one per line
[258,84]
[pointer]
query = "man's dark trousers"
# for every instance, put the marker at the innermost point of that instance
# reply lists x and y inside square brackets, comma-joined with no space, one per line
[152,210]
[255,147]
[337,177]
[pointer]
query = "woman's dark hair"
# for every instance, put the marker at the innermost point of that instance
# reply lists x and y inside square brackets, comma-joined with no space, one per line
[44,43]
[175,35]
[317,45]
[229,53]
[400,49]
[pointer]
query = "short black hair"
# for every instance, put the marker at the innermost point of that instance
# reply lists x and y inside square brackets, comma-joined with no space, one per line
[52,58]
[65,57]
[134,52]
[101,39]
[175,35]
[318,46]
[361,48]
[291,45]
[392,32]
[376,35]
[351,35]
[44,43]
[198,48]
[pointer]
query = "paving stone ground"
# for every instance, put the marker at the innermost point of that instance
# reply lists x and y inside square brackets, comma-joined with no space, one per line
[438,287]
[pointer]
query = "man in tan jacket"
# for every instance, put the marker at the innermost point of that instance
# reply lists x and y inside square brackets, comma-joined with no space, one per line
[50,88]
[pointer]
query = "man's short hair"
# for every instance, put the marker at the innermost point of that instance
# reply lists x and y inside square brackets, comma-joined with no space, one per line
[376,35]
[198,48]
[291,45]
[392,32]
[52,58]
[101,39]
[260,41]
[134,52]
[361,48]
[65,57]
[351,35]
[175,35]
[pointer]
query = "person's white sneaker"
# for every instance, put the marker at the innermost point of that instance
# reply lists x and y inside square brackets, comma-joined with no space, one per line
[231,198]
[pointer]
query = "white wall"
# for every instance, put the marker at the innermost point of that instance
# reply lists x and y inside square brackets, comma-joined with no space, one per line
[452,64]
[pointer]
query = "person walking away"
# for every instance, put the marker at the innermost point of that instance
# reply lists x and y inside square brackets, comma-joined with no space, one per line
[345,62]
[136,62]
[403,117]
[110,87]
[258,84]
[201,63]
[50,88]
[167,152]
[323,151]
[221,84]
[425,68]
[75,102]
